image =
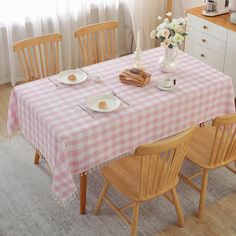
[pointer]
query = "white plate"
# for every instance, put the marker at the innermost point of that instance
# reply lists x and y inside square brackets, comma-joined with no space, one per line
[80,76]
[165,88]
[112,103]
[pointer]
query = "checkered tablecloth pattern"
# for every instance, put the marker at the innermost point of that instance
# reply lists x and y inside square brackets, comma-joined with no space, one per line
[74,142]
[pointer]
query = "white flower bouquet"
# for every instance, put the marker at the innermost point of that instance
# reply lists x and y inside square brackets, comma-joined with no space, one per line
[170,34]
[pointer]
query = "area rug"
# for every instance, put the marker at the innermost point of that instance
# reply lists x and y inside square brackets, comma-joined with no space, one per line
[27,207]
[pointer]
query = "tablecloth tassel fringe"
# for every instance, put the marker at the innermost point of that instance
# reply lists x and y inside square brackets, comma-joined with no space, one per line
[42,158]
[96,168]
[65,202]
[29,142]
[206,123]
[107,163]
[13,134]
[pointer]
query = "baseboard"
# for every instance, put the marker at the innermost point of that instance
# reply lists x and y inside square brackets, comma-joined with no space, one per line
[5,81]
[8,80]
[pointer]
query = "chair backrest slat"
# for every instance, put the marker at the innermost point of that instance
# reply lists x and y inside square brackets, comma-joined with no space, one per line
[171,160]
[46,58]
[160,163]
[101,46]
[82,49]
[86,48]
[27,65]
[153,162]
[95,47]
[109,49]
[113,44]
[57,58]
[22,63]
[233,150]
[232,143]
[157,182]
[177,165]
[224,144]
[31,63]
[36,62]
[165,170]
[41,60]
[104,45]
[52,58]
[39,56]
[90,47]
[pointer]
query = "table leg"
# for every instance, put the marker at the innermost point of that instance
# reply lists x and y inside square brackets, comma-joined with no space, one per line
[36,157]
[83,190]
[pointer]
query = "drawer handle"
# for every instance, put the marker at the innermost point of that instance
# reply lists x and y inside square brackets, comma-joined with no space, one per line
[205,27]
[203,56]
[204,40]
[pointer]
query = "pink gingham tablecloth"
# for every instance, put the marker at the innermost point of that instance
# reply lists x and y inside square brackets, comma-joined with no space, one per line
[74,142]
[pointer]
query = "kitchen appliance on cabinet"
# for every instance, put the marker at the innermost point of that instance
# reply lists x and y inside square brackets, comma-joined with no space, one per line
[216,7]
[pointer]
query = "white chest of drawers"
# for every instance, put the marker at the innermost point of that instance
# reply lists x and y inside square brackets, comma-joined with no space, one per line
[213,41]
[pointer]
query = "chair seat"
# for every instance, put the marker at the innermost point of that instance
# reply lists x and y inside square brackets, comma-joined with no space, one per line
[124,176]
[200,147]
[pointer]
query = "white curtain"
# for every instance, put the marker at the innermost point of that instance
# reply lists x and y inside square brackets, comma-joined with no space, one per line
[27,18]
[144,15]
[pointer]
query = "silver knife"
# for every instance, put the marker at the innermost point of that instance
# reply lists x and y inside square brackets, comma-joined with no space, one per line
[82,107]
[115,94]
[84,71]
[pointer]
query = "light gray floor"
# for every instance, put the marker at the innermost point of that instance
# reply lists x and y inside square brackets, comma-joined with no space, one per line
[28,208]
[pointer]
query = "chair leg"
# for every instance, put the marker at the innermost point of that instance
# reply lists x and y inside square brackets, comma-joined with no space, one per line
[100,198]
[235,164]
[178,207]
[203,193]
[36,157]
[135,219]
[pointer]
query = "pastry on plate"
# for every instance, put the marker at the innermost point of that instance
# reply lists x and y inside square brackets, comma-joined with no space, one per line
[102,105]
[72,77]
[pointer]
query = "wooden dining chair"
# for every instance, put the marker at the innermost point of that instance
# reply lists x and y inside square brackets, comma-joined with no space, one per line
[39,56]
[152,171]
[97,42]
[211,147]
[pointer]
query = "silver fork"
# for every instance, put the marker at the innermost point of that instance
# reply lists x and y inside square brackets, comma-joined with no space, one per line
[57,85]
[83,108]
[115,94]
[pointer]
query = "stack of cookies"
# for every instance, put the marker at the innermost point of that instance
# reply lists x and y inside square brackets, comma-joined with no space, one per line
[135,77]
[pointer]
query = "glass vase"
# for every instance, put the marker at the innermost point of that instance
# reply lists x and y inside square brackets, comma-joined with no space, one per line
[167,63]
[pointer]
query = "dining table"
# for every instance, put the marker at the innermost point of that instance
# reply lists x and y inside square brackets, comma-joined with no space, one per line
[75,141]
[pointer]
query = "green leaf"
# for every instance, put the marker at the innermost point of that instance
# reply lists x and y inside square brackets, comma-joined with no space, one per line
[172,33]
[162,39]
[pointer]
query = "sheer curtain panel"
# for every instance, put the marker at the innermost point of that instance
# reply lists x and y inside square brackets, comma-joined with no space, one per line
[27,18]
[144,15]
[144,18]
